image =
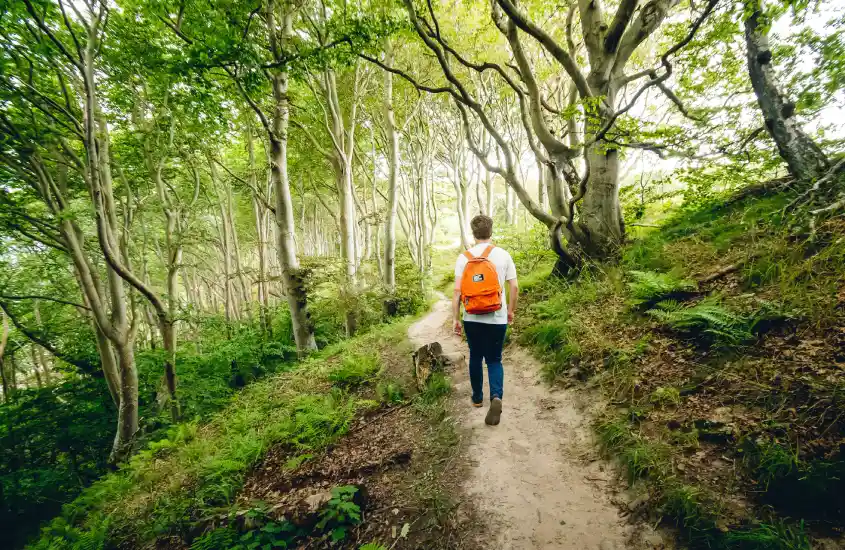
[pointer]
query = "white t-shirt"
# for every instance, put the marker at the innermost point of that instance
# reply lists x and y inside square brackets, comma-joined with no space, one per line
[506,271]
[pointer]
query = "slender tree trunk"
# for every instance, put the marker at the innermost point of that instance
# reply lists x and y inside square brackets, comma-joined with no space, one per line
[491,200]
[36,370]
[347,238]
[509,213]
[245,299]
[392,184]
[4,338]
[293,277]
[341,161]
[45,361]
[461,205]
[804,158]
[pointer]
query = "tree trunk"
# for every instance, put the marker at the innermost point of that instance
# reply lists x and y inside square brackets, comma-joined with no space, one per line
[805,160]
[491,200]
[292,276]
[341,161]
[7,391]
[4,338]
[245,299]
[509,211]
[36,370]
[111,369]
[347,239]
[168,335]
[479,196]
[542,188]
[600,209]
[127,416]
[461,204]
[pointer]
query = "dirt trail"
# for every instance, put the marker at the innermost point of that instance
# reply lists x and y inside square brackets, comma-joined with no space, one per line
[534,479]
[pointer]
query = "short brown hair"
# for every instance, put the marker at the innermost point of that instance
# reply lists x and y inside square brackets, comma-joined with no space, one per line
[482,227]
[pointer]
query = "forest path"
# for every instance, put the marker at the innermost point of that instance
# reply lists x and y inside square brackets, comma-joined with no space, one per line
[534,479]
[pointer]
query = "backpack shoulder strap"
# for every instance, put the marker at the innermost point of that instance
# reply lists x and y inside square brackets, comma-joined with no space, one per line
[487,251]
[468,255]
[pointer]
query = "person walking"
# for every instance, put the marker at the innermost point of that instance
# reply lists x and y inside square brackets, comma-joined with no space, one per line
[481,274]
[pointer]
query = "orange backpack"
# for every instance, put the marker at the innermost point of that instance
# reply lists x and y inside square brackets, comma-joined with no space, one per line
[480,290]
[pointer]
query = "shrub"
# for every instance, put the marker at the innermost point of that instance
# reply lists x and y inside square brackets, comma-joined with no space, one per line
[708,320]
[390,393]
[649,287]
[356,370]
[340,512]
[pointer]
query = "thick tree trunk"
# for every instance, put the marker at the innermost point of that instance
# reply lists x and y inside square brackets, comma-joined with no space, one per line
[600,213]
[542,187]
[805,159]
[127,416]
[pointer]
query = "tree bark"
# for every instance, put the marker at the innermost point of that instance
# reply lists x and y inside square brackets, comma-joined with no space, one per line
[293,278]
[36,368]
[804,158]
[340,157]
[4,338]
[392,182]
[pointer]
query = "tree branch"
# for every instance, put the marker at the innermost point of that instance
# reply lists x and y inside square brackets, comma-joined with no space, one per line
[46,298]
[561,55]
[36,338]
[664,59]
[620,22]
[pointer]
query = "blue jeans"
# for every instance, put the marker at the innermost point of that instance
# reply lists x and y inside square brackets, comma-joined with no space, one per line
[485,344]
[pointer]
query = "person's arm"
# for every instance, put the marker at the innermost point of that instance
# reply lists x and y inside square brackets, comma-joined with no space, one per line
[513,295]
[456,297]
[513,288]
[456,310]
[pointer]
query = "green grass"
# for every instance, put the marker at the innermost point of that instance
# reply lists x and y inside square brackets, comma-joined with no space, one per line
[165,489]
[694,510]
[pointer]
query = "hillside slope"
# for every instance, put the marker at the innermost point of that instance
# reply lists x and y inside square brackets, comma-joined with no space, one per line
[719,342]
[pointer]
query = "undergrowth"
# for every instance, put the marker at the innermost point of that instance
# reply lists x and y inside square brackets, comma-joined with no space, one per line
[673,326]
[167,488]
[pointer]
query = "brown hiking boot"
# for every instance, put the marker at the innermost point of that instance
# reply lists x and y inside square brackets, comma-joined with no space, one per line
[494,413]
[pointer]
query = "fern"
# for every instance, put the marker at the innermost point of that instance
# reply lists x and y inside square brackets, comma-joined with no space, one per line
[224,537]
[708,320]
[648,287]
